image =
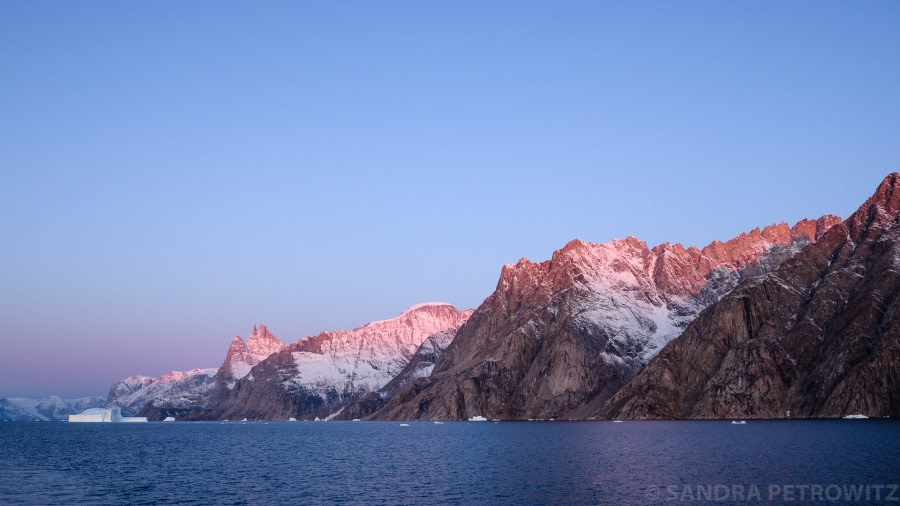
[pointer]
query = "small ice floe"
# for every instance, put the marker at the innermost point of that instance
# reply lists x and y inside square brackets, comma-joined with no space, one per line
[292,419]
[404,425]
[355,420]
[244,420]
[478,418]
[855,417]
[618,421]
[169,419]
[738,422]
[438,423]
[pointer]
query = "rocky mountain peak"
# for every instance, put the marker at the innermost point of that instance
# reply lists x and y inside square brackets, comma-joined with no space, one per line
[878,212]
[261,343]
[816,336]
[242,356]
[814,229]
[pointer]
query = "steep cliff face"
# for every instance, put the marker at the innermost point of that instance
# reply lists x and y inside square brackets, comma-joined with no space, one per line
[817,337]
[241,357]
[317,376]
[558,338]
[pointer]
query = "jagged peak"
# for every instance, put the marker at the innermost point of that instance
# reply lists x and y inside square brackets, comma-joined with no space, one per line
[885,192]
[881,208]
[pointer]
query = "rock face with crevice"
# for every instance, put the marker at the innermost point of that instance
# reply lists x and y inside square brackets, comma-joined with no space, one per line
[817,337]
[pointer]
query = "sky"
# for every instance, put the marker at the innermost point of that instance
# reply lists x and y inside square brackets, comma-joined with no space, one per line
[174,172]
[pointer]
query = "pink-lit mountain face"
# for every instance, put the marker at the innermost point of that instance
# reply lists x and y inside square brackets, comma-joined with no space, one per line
[328,370]
[181,390]
[556,339]
[242,356]
[320,375]
[559,336]
[817,337]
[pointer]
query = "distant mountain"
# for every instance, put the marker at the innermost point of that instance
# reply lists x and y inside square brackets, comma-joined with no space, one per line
[317,376]
[559,337]
[817,337]
[53,408]
[177,391]
[176,388]
[313,377]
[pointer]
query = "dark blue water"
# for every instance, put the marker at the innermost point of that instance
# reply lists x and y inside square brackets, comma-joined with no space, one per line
[458,462]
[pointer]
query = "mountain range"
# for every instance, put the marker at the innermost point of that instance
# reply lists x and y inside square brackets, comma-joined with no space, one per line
[781,321]
[51,409]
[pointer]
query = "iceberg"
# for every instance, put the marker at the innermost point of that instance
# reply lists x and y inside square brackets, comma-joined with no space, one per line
[478,418]
[104,415]
[169,419]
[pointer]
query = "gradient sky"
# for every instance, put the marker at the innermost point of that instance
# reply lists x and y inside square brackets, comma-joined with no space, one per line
[174,172]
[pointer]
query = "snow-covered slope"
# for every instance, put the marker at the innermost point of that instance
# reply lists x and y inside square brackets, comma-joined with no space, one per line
[53,408]
[318,375]
[196,388]
[176,388]
[419,366]
[367,358]
[557,334]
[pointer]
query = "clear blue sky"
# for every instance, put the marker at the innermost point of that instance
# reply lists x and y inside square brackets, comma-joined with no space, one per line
[174,172]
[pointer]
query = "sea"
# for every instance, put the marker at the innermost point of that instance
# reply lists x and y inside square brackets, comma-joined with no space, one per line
[596,462]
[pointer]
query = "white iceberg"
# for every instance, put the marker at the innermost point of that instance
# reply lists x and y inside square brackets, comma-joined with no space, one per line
[104,415]
[478,418]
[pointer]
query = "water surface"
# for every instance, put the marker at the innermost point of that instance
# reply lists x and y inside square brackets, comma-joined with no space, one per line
[457,462]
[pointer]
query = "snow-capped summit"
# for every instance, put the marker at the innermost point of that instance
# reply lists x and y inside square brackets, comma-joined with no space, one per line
[241,356]
[318,375]
[366,358]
